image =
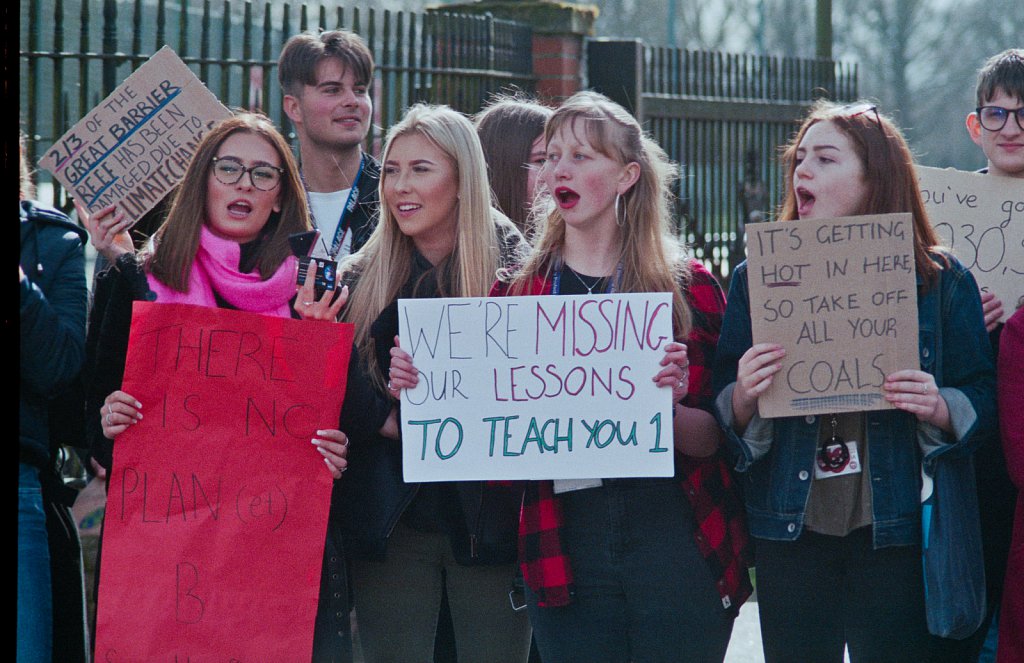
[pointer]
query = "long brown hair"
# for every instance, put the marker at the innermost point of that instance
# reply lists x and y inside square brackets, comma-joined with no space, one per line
[888,173]
[507,128]
[174,246]
[653,258]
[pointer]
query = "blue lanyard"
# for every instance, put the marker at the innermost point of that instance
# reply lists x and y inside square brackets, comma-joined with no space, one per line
[350,205]
[556,283]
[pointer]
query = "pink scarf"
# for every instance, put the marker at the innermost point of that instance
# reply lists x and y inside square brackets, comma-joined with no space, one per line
[215,269]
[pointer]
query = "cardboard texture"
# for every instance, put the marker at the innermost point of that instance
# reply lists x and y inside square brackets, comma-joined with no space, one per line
[536,387]
[840,296]
[217,506]
[981,218]
[134,147]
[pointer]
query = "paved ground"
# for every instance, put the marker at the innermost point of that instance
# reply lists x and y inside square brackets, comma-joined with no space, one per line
[745,645]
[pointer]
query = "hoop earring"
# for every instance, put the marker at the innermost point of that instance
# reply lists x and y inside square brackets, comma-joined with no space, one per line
[620,218]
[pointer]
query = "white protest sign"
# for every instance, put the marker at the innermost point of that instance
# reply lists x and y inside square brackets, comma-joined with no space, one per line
[134,147]
[536,387]
[981,219]
[840,296]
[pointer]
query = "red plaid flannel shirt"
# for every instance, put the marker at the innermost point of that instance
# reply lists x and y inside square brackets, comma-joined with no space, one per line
[721,529]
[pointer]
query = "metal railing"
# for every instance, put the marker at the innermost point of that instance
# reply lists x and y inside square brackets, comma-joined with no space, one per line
[723,118]
[75,52]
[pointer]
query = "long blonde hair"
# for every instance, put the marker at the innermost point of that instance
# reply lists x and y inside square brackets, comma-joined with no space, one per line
[384,264]
[653,258]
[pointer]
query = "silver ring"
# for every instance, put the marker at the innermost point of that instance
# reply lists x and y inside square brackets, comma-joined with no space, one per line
[110,409]
[107,419]
[307,303]
[390,388]
[680,384]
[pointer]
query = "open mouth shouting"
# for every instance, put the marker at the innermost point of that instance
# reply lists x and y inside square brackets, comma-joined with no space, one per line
[566,197]
[804,201]
[239,209]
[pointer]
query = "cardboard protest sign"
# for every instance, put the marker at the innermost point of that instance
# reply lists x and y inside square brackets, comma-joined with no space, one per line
[217,505]
[981,218]
[536,387]
[840,296]
[134,147]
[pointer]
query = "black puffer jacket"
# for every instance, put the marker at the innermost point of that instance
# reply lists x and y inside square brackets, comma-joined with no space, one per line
[52,320]
[481,518]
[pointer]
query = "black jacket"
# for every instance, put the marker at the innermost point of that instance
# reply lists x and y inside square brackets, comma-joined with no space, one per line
[364,217]
[373,494]
[52,319]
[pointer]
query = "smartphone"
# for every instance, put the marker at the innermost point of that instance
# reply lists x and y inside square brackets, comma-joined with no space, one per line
[302,243]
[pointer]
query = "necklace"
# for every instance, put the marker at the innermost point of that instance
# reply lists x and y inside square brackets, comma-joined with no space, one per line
[590,287]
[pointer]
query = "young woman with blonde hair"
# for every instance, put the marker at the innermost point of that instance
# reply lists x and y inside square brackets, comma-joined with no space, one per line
[438,236]
[628,569]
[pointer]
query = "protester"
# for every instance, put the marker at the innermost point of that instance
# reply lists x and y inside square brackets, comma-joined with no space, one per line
[658,600]
[511,131]
[326,80]
[437,236]
[997,127]
[839,558]
[225,244]
[1000,101]
[1011,413]
[51,314]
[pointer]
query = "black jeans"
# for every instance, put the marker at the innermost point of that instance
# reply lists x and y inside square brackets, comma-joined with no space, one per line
[643,592]
[819,593]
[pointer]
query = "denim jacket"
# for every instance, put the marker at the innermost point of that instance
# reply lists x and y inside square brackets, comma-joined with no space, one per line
[776,456]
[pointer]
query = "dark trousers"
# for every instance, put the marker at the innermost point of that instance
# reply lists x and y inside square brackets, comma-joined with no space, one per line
[819,593]
[643,592]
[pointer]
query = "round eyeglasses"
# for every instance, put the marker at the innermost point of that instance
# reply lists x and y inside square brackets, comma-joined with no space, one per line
[994,118]
[230,171]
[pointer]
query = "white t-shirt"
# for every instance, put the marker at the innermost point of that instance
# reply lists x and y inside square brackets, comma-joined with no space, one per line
[326,211]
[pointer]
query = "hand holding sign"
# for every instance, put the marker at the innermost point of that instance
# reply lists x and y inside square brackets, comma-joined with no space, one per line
[570,387]
[840,297]
[132,148]
[108,230]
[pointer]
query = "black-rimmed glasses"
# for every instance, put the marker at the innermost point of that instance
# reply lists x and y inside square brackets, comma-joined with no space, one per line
[229,171]
[994,118]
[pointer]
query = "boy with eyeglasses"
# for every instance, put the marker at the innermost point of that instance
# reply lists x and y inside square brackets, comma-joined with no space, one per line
[997,126]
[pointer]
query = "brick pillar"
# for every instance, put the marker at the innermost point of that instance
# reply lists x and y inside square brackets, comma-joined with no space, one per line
[559,29]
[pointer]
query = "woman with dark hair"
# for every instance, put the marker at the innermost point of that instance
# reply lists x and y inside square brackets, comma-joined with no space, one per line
[839,558]
[511,131]
[224,244]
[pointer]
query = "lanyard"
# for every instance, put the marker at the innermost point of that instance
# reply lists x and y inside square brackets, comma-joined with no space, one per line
[350,205]
[556,284]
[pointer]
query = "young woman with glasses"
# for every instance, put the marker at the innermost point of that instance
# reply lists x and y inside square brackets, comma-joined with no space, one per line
[839,558]
[224,244]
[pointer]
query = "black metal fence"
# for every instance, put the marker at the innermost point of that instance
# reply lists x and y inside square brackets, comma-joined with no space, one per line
[722,117]
[75,52]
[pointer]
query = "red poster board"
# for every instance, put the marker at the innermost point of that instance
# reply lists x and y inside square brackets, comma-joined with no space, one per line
[217,504]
